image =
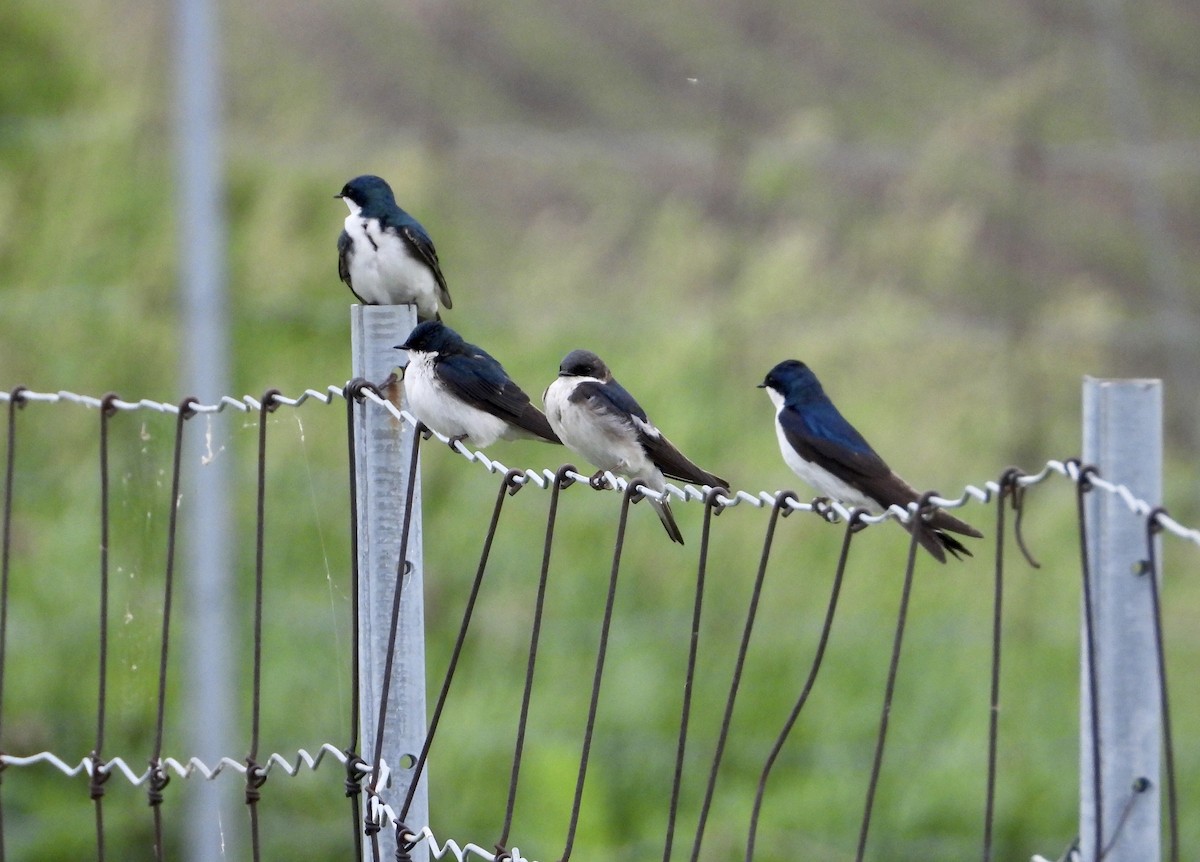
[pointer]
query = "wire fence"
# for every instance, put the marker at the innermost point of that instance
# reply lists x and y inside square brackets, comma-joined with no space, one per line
[1007,494]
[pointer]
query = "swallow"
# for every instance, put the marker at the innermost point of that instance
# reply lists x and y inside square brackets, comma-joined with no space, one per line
[385,256]
[460,391]
[828,453]
[596,417]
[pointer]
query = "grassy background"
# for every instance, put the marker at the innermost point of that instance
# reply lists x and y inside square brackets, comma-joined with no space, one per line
[928,202]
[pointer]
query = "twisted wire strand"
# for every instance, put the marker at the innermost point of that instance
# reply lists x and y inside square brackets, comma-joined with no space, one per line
[1084,477]
[302,759]
[544,478]
[192,766]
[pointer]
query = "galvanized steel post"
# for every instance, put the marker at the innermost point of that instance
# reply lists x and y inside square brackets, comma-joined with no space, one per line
[211,645]
[1122,438]
[383,446]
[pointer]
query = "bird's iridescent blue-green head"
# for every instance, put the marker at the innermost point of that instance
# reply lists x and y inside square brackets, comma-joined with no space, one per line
[790,377]
[432,336]
[367,191]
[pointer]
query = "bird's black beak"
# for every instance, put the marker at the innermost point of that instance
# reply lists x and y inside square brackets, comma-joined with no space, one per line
[762,385]
[337,197]
[403,346]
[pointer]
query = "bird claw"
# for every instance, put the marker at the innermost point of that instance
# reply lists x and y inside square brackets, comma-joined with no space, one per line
[823,507]
[599,481]
[454,441]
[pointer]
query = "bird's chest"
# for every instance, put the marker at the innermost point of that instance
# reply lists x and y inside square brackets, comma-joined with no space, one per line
[428,398]
[382,267]
[605,441]
[440,408]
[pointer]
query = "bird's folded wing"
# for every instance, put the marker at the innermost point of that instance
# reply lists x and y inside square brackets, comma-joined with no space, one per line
[613,403]
[422,245]
[481,382]
[610,406]
[344,246]
[836,446]
[841,450]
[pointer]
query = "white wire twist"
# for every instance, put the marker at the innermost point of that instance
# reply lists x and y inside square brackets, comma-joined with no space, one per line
[380,812]
[182,768]
[544,478]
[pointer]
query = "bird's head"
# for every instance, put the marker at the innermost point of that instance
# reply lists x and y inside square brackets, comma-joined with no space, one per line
[789,379]
[432,336]
[366,191]
[583,363]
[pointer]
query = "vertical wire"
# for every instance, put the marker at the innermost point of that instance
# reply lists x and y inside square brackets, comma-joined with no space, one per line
[893,670]
[853,524]
[508,486]
[1083,484]
[16,399]
[781,500]
[1140,786]
[354,761]
[98,774]
[1153,528]
[1007,484]
[158,775]
[710,502]
[402,567]
[561,480]
[256,775]
[631,490]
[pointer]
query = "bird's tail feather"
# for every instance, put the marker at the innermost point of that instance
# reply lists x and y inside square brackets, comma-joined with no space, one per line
[663,508]
[938,541]
[943,520]
[953,545]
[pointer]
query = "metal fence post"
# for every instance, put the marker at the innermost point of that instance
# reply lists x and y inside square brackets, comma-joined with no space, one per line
[1122,437]
[208,521]
[383,448]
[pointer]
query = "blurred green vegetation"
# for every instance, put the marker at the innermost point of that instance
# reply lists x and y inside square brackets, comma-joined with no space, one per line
[926,201]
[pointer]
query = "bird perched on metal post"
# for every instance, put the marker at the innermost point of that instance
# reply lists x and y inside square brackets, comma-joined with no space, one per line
[460,391]
[595,416]
[385,256]
[828,453]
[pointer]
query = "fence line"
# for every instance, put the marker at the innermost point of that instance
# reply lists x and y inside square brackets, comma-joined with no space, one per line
[1084,477]
[544,478]
[182,768]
